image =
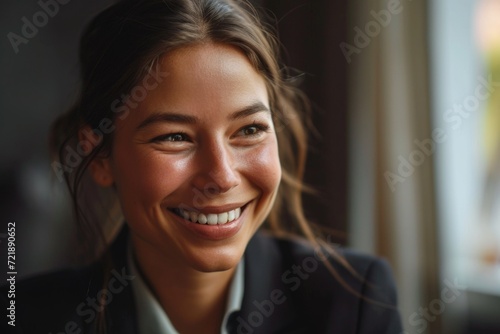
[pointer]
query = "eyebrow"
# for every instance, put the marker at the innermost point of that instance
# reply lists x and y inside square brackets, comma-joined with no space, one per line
[172,117]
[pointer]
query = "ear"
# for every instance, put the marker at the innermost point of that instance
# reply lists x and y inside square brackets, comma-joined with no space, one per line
[100,169]
[100,166]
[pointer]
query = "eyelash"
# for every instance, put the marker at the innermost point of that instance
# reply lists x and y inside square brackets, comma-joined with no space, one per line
[168,137]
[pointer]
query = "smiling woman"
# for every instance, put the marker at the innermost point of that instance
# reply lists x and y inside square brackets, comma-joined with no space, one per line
[200,159]
[207,126]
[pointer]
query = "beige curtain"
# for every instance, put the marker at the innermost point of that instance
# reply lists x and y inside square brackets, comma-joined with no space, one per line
[392,211]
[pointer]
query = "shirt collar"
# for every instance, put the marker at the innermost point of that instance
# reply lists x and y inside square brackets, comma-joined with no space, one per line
[151,317]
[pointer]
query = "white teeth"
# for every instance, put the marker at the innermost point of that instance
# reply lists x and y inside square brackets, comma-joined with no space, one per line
[211,218]
[222,218]
[202,219]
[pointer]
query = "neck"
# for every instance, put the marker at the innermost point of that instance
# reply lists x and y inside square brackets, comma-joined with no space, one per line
[194,301]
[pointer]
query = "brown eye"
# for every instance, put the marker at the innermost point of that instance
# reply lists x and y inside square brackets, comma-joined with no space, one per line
[172,137]
[253,130]
[175,137]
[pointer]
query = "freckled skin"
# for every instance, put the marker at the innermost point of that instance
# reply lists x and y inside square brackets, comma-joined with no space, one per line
[217,160]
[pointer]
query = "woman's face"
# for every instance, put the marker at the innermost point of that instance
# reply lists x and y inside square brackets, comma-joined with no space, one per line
[196,164]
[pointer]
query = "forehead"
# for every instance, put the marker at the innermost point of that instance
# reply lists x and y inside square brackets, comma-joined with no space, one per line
[214,60]
[204,80]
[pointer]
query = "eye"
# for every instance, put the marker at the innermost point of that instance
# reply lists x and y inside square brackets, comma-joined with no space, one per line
[172,137]
[253,130]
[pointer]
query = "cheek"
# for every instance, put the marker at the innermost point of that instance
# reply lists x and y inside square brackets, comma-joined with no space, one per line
[148,176]
[263,168]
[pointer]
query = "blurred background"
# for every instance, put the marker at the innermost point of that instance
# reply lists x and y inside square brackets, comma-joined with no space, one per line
[406,97]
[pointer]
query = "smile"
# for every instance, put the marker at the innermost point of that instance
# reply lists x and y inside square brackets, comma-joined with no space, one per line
[209,218]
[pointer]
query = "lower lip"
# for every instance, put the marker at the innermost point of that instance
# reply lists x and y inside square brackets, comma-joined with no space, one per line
[213,232]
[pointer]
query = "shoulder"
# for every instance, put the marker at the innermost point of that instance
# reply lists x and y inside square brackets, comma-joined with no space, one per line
[344,290]
[76,300]
[48,303]
[300,256]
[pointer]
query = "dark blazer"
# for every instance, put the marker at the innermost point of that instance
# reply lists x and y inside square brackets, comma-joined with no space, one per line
[287,290]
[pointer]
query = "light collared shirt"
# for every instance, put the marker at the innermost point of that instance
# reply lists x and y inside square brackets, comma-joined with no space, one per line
[151,318]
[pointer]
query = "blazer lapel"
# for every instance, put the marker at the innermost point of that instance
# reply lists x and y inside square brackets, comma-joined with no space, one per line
[268,304]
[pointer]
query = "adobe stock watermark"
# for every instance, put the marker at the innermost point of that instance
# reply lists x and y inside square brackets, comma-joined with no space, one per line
[425,315]
[30,27]
[454,117]
[372,29]
[121,108]
[292,278]
[89,308]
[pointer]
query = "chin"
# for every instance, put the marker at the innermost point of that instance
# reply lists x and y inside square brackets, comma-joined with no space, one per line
[216,260]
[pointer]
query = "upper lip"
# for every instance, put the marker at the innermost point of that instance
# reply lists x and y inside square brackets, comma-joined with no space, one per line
[214,208]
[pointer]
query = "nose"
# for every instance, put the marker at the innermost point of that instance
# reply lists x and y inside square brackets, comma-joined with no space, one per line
[217,169]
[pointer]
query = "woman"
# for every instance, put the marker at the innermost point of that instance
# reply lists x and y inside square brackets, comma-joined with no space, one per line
[188,120]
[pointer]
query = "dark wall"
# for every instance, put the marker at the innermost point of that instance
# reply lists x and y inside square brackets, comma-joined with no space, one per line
[311,32]
[38,81]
